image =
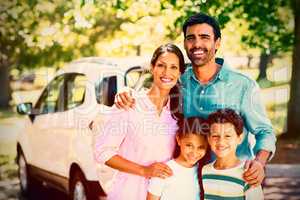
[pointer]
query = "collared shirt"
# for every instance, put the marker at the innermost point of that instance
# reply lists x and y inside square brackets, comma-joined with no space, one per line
[230,89]
[139,135]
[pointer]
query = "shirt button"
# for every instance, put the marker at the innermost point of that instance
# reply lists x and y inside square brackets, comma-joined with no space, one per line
[202,92]
[201,108]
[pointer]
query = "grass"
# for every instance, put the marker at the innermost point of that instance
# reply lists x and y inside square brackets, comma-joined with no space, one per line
[277,114]
[7,113]
[8,169]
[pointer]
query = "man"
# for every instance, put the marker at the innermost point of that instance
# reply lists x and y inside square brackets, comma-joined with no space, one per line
[210,85]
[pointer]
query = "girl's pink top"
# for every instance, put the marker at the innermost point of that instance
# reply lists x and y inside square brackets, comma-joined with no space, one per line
[139,135]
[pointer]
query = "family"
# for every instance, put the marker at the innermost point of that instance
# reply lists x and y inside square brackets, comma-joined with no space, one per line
[188,136]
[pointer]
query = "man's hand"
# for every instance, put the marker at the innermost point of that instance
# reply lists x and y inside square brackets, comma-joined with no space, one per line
[254,172]
[160,170]
[124,100]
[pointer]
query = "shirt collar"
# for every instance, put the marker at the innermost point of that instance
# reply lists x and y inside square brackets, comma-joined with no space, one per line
[222,74]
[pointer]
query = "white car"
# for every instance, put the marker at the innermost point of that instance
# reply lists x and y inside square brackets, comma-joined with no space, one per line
[55,148]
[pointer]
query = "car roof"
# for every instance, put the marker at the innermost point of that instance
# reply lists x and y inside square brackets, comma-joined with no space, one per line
[95,66]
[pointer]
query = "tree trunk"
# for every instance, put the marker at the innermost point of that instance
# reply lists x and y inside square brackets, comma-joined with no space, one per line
[138,50]
[5,91]
[263,64]
[293,124]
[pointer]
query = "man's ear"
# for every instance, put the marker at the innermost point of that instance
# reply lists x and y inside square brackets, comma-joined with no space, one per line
[240,138]
[218,43]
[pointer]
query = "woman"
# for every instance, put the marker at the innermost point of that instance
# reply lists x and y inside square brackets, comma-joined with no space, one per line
[136,142]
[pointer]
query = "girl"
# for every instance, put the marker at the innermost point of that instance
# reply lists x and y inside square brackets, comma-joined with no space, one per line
[191,149]
[136,142]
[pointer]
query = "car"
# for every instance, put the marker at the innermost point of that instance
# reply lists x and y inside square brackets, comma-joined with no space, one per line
[55,147]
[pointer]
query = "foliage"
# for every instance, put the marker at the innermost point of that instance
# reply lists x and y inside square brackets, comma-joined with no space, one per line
[269,23]
[43,33]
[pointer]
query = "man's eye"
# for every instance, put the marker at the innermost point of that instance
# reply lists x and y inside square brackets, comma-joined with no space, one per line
[189,38]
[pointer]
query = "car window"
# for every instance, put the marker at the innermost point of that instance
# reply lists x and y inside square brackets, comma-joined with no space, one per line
[48,101]
[75,90]
[145,80]
[138,78]
[106,90]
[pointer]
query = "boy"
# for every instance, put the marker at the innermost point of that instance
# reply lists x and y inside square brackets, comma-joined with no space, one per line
[223,178]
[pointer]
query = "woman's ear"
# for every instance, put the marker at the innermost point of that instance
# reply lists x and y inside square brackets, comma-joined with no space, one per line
[178,140]
[151,69]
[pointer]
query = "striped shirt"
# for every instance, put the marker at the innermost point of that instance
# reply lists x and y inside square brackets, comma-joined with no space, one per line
[227,184]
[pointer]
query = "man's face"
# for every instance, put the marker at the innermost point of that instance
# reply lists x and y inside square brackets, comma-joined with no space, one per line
[200,44]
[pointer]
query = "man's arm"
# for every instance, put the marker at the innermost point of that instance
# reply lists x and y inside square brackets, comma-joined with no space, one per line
[257,122]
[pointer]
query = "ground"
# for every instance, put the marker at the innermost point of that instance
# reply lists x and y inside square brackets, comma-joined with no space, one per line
[287,152]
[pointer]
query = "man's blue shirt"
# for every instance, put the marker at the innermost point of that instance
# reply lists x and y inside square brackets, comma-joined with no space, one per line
[230,89]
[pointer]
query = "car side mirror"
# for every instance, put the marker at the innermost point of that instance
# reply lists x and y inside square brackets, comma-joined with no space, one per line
[24,108]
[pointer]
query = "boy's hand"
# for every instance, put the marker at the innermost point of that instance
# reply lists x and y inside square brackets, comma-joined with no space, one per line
[124,100]
[254,173]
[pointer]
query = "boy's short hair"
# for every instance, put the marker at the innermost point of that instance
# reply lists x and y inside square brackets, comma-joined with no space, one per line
[227,115]
[201,18]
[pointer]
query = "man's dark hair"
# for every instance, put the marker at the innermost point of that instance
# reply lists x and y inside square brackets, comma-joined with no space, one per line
[201,18]
[227,115]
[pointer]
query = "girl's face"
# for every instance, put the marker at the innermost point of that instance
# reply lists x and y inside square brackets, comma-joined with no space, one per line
[166,71]
[192,149]
[224,140]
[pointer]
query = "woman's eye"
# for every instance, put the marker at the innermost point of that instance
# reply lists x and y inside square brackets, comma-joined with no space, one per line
[174,67]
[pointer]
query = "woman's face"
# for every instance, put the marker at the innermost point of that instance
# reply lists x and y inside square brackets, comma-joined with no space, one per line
[166,71]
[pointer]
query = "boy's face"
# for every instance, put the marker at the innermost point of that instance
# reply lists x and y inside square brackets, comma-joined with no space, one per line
[224,140]
[192,149]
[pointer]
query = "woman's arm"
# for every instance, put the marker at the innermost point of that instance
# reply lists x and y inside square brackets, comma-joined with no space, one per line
[154,170]
[152,197]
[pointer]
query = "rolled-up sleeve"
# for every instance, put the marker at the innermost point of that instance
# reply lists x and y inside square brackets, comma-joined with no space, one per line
[256,120]
[110,135]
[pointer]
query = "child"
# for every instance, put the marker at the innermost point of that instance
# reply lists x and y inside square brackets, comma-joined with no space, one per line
[191,147]
[222,179]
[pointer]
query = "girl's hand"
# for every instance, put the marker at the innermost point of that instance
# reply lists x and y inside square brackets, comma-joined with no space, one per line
[160,170]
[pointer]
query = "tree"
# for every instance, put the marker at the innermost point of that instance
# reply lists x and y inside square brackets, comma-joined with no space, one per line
[42,33]
[268,24]
[269,29]
[293,125]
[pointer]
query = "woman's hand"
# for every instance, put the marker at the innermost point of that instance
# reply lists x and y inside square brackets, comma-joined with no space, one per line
[160,170]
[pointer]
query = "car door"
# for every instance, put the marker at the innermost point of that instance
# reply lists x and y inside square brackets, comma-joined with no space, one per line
[43,121]
[67,124]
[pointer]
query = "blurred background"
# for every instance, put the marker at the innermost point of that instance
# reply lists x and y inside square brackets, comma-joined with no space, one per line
[259,39]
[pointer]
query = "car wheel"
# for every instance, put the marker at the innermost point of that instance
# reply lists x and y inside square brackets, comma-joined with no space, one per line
[78,188]
[24,177]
